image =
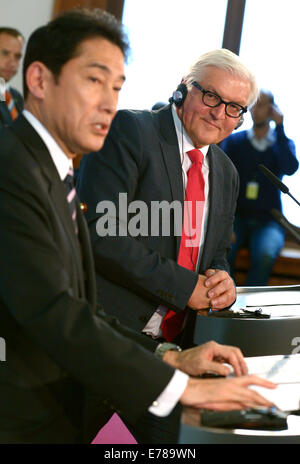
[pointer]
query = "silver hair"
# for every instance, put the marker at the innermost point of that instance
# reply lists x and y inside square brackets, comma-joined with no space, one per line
[228,61]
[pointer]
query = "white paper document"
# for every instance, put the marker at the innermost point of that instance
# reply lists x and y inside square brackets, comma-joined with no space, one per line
[277,311]
[278,368]
[268,288]
[273,301]
[285,372]
[272,298]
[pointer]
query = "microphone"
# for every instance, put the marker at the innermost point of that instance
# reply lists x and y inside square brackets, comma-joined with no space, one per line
[269,174]
[285,223]
[176,98]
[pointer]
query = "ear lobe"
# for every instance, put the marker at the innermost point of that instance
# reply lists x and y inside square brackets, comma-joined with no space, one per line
[37,76]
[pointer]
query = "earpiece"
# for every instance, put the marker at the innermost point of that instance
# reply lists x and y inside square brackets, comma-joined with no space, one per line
[239,123]
[179,95]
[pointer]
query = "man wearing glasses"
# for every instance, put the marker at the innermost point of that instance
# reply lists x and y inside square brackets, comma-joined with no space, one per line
[155,277]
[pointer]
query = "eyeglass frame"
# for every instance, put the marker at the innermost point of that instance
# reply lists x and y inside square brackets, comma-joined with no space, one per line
[244,109]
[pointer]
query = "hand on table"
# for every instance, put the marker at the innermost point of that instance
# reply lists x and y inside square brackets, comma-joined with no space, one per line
[226,394]
[208,357]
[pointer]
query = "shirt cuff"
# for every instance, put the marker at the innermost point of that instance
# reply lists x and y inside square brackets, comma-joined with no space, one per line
[170,396]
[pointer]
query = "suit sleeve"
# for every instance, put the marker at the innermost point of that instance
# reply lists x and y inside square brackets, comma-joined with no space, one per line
[285,153]
[36,291]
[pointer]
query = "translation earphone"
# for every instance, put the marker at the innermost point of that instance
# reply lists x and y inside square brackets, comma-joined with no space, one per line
[179,95]
[239,123]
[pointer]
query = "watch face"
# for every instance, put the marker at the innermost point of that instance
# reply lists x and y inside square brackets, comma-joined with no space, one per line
[163,347]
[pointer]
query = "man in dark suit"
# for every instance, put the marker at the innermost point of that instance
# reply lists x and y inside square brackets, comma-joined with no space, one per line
[11,44]
[68,365]
[145,160]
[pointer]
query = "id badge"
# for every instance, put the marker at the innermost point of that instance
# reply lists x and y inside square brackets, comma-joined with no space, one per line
[252,189]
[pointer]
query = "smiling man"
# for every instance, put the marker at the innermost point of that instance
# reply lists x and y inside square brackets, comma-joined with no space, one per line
[11,44]
[169,156]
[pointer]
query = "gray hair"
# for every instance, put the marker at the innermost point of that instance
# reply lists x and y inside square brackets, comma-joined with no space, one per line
[228,61]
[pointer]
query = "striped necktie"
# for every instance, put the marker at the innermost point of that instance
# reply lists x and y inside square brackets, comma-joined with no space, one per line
[173,322]
[10,103]
[71,196]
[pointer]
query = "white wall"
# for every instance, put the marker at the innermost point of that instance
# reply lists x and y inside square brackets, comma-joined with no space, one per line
[166,37]
[26,16]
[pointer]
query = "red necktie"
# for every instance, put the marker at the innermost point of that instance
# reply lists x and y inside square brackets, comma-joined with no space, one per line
[11,105]
[172,323]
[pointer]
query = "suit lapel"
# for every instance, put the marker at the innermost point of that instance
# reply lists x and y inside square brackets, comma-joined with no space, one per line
[171,155]
[87,257]
[17,99]
[215,192]
[170,150]
[56,188]
[5,116]
[57,194]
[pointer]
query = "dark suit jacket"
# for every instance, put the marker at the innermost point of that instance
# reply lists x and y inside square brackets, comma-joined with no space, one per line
[141,158]
[5,117]
[59,344]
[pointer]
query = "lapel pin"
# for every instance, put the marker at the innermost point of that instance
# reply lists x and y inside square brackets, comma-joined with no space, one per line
[83,207]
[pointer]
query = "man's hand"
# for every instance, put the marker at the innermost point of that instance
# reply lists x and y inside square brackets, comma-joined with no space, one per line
[215,290]
[221,288]
[199,298]
[218,394]
[276,115]
[225,394]
[208,357]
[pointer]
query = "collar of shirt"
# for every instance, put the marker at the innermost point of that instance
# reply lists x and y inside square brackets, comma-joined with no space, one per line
[261,144]
[61,161]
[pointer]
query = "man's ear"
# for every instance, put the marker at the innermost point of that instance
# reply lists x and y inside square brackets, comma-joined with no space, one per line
[37,78]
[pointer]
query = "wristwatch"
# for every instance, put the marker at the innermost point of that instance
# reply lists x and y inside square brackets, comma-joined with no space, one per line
[163,347]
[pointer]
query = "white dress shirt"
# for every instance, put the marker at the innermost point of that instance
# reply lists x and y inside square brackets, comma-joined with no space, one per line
[168,399]
[62,163]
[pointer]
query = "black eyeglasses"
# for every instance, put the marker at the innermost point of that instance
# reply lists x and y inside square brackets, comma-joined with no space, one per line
[233,110]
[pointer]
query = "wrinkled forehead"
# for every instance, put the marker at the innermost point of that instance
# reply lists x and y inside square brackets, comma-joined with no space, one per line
[230,86]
